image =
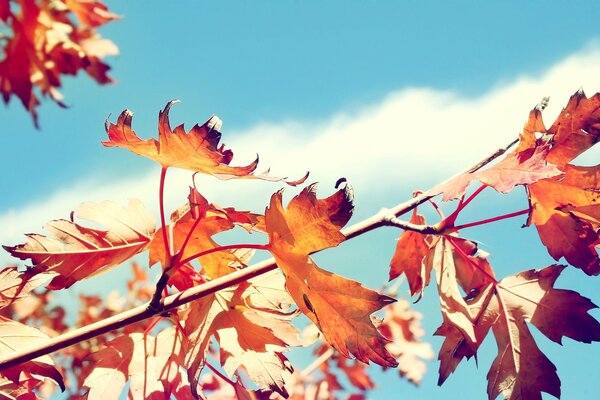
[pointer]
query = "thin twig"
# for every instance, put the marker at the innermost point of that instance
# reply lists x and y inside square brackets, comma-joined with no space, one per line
[143,312]
[317,362]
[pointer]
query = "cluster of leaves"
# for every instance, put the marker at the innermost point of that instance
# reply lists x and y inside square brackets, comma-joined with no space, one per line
[42,40]
[247,326]
[564,205]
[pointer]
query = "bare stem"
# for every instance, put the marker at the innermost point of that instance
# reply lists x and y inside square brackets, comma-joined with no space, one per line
[144,311]
[388,219]
[219,374]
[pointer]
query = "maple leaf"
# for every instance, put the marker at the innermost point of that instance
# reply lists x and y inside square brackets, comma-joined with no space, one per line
[442,257]
[517,168]
[401,325]
[565,212]
[151,365]
[46,44]
[576,129]
[565,209]
[210,221]
[76,252]
[15,336]
[521,370]
[197,150]
[24,390]
[340,307]
[15,285]
[248,337]
[408,257]
[356,373]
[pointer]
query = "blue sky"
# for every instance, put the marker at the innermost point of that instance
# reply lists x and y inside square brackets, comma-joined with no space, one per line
[393,95]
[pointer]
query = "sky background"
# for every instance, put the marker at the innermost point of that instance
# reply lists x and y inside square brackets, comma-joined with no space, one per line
[395,96]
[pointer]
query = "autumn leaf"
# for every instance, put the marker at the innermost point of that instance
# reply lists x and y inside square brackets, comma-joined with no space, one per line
[565,209]
[402,326]
[248,337]
[340,307]
[76,252]
[565,212]
[517,168]
[90,12]
[576,129]
[16,337]
[151,365]
[441,258]
[45,44]
[455,347]
[15,285]
[521,370]
[408,257]
[197,150]
[356,373]
[200,229]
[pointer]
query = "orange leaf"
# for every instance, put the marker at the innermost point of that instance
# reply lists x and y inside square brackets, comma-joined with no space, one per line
[151,365]
[565,212]
[251,338]
[15,285]
[90,12]
[341,308]
[576,129]
[402,326]
[408,257]
[566,209]
[521,370]
[211,220]
[17,337]
[76,252]
[196,150]
[46,44]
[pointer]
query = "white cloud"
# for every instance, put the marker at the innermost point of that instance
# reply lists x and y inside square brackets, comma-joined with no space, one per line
[411,138]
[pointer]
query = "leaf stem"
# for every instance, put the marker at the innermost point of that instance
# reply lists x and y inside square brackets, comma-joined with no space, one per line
[161,204]
[222,248]
[469,260]
[220,374]
[494,219]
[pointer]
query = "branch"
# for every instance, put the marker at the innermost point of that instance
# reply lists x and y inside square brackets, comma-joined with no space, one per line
[144,311]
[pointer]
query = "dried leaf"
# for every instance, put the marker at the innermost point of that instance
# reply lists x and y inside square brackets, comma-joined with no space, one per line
[248,337]
[564,211]
[76,252]
[341,308]
[517,168]
[15,285]
[408,258]
[46,44]
[151,365]
[210,221]
[521,370]
[197,150]
[16,337]
[403,327]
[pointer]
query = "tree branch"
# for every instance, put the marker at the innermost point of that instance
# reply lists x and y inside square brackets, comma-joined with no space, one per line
[143,311]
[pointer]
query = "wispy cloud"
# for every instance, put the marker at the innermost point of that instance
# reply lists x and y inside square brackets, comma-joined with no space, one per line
[413,136]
